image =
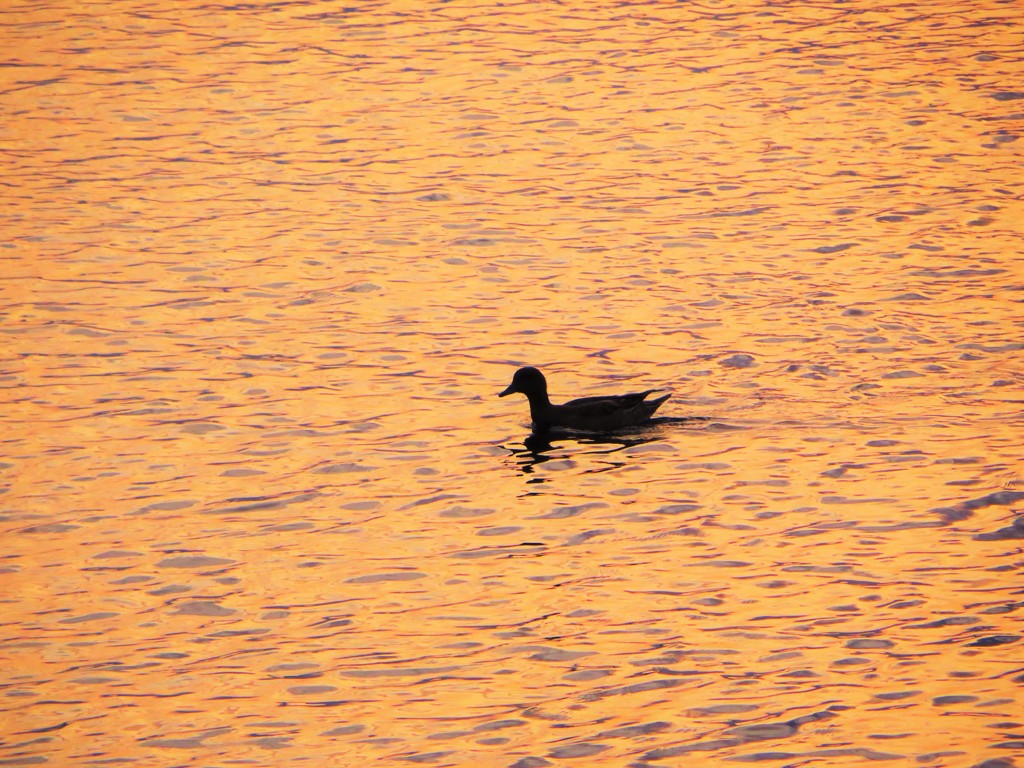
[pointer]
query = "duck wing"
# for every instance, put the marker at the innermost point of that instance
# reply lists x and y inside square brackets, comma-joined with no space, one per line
[603,413]
[607,405]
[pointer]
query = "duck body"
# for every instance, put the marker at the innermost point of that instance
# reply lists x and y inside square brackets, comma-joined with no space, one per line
[593,414]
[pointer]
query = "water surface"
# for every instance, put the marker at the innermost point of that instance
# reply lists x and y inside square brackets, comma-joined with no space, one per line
[265,268]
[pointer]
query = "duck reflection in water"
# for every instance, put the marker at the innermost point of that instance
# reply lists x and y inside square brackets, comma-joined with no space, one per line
[547,445]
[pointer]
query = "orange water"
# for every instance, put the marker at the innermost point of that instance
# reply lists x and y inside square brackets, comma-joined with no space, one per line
[266,266]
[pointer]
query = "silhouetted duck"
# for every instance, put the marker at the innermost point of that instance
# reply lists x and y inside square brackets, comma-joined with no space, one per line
[594,414]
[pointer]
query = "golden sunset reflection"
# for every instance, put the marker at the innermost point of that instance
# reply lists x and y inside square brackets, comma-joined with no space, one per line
[267,266]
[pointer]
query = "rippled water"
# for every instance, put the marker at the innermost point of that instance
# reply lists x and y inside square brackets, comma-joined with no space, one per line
[267,266]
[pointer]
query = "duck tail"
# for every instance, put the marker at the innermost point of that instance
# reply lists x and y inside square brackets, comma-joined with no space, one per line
[657,402]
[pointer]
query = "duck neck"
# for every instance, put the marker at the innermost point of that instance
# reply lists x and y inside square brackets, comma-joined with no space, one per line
[540,406]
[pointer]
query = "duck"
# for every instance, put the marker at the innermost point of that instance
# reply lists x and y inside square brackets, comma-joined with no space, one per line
[591,414]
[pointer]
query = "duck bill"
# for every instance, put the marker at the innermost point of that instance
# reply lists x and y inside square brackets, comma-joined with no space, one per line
[508,390]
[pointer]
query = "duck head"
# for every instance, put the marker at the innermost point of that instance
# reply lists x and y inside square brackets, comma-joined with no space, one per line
[530,382]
